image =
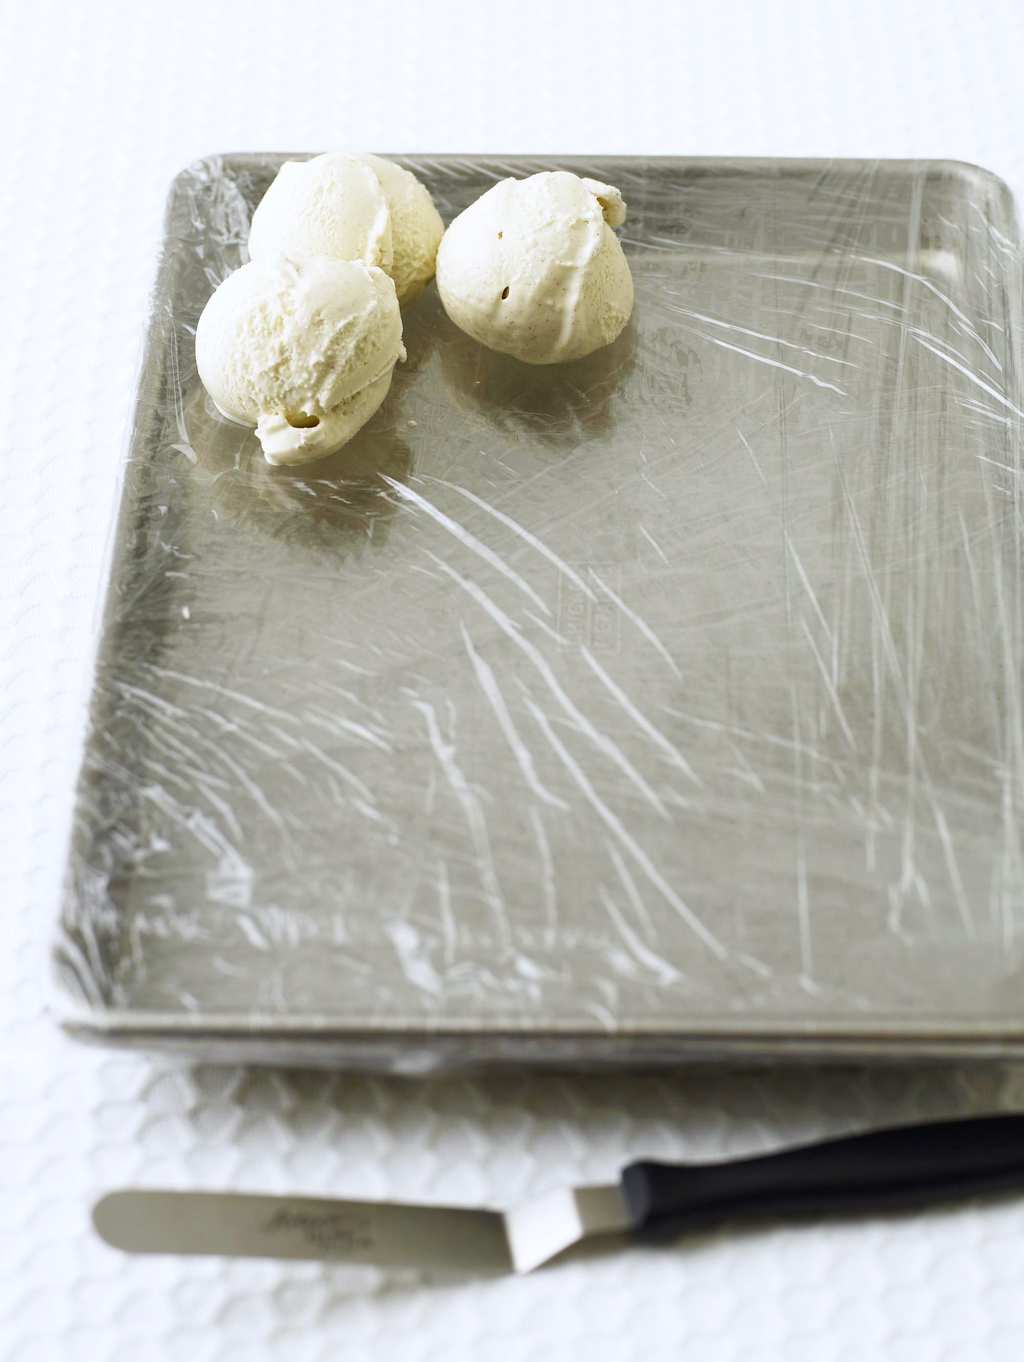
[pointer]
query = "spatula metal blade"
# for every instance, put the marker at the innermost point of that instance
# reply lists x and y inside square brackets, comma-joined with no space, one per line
[242,1225]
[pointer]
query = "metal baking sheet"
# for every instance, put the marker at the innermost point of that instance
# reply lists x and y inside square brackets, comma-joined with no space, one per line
[665,704]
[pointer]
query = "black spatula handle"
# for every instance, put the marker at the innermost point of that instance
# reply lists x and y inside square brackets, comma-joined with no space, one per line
[883,1170]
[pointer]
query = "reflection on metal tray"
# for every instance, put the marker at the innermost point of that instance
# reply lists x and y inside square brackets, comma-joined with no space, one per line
[660,705]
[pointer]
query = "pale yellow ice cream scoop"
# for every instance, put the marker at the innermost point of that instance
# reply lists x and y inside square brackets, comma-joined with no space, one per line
[351,207]
[533,268]
[303,350]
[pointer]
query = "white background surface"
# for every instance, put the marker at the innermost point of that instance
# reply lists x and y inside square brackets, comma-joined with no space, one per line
[101,104]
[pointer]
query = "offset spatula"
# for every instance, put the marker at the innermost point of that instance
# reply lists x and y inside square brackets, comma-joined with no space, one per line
[884,1170]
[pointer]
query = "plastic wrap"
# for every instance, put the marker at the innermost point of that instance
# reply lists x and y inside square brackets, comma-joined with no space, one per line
[658,704]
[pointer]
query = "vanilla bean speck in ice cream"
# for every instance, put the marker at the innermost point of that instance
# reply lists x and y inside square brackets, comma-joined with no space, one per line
[303,350]
[351,207]
[533,268]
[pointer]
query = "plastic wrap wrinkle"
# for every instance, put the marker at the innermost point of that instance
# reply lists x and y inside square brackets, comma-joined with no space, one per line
[674,691]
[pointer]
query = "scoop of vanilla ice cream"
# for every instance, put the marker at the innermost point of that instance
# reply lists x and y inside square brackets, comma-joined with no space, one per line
[351,207]
[533,269]
[301,349]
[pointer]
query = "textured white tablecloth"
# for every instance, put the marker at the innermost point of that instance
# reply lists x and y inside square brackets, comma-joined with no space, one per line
[102,103]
